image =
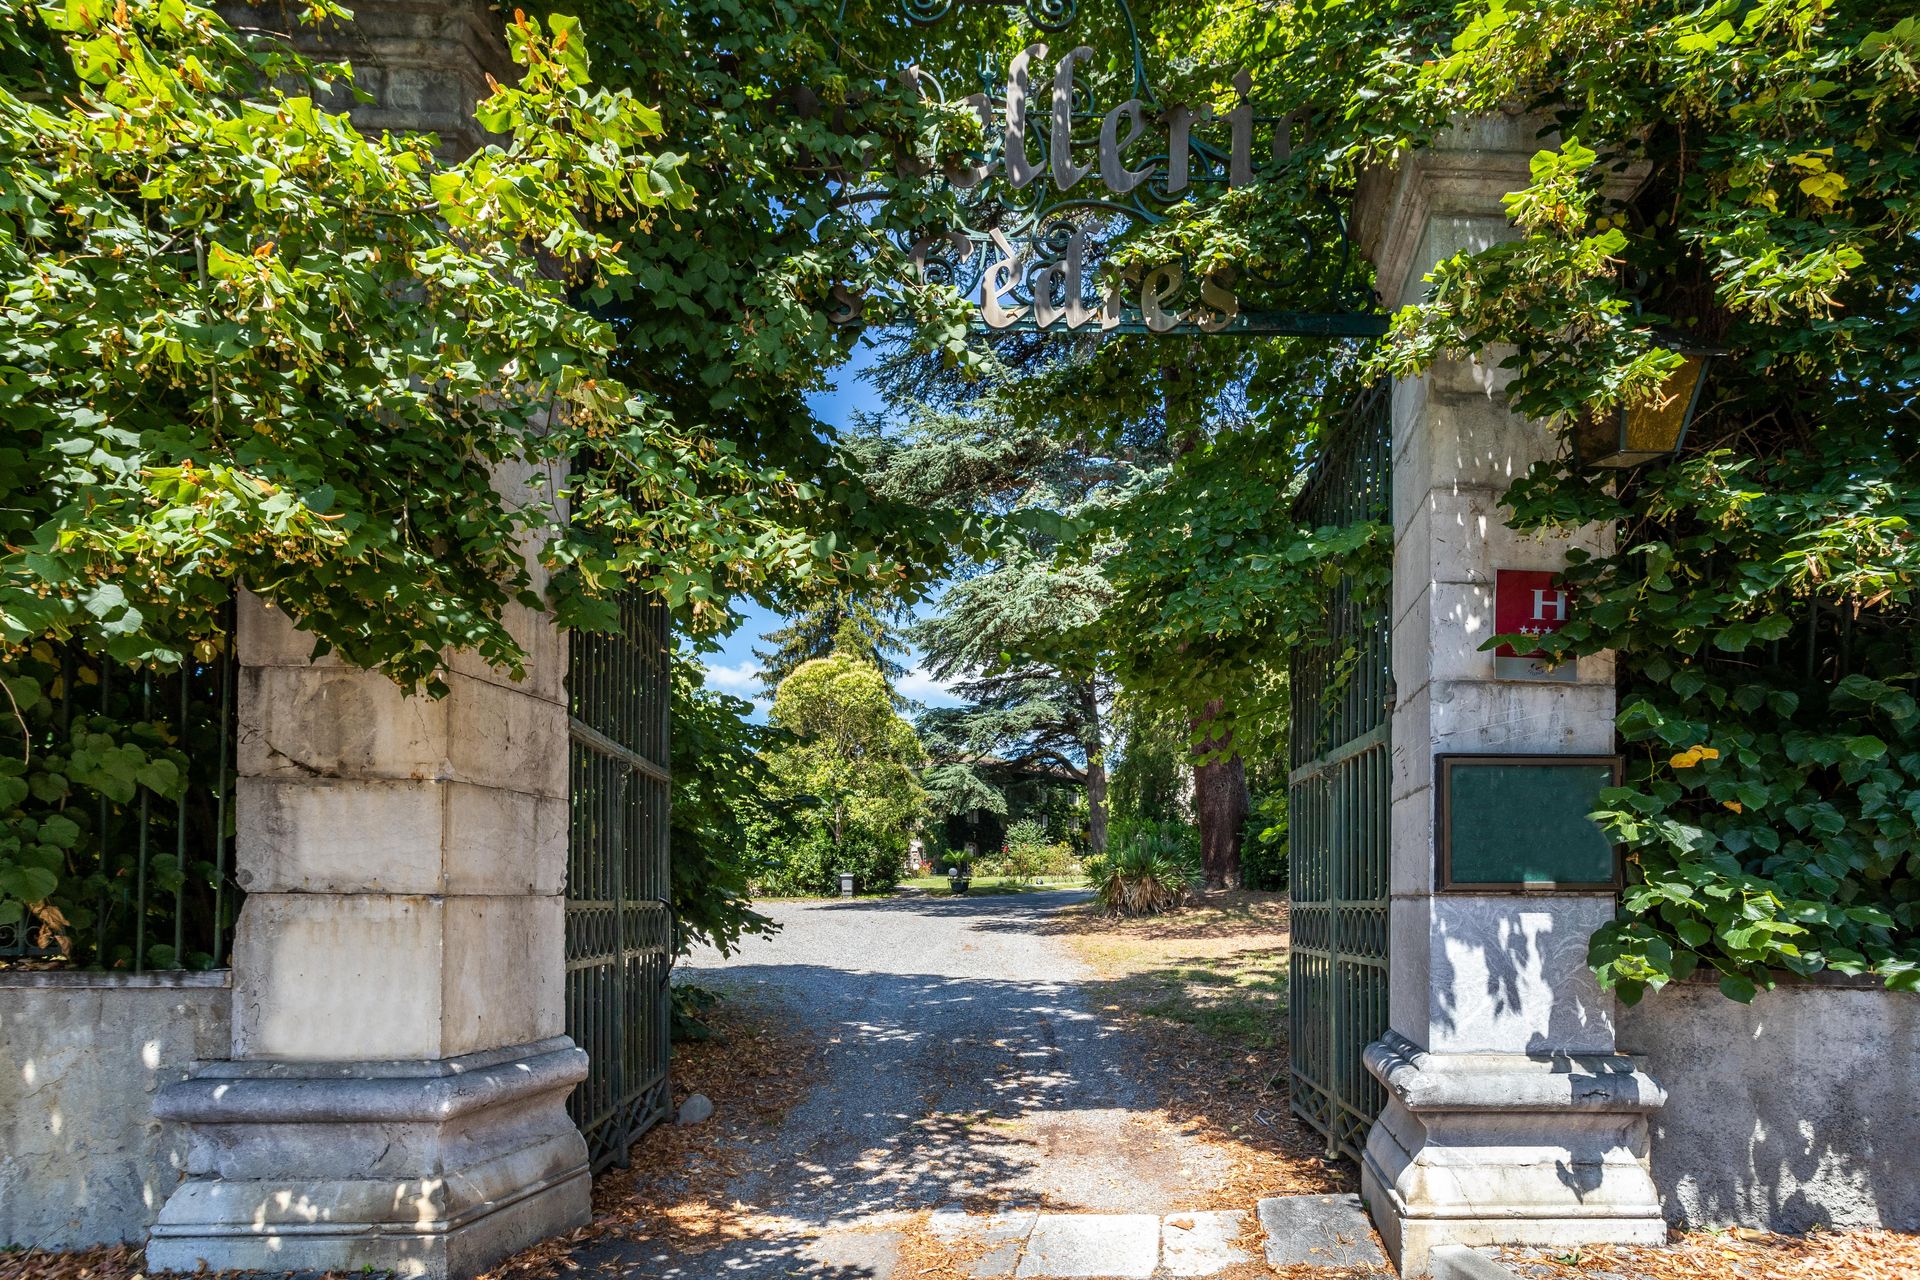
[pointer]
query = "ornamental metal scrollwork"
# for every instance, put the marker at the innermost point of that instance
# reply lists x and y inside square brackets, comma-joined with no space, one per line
[1036,252]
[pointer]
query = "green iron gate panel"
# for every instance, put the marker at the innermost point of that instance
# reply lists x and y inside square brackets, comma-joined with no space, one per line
[1337,797]
[619,914]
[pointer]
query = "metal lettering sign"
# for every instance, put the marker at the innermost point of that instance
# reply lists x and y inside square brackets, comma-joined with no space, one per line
[1529,602]
[1060,178]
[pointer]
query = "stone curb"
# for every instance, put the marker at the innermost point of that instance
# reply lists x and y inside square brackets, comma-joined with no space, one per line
[1457,1262]
[1329,1231]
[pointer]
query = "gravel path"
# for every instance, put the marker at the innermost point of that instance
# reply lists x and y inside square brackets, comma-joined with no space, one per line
[965,1068]
[964,1064]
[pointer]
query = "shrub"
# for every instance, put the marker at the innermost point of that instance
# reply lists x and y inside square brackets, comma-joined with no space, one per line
[1148,875]
[876,861]
[1172,833]
[1028,852]
[1264,845]
[791,864]
[809,864]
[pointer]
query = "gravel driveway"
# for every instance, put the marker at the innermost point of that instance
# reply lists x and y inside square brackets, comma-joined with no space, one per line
[964,1066]
[964,1069]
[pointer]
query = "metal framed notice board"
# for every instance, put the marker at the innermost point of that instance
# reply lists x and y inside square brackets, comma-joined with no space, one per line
[1520,824]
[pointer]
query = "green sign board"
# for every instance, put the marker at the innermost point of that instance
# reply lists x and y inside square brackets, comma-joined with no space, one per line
[1519,823]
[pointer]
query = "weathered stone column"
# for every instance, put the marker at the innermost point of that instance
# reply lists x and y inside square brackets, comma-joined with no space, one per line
[396,1093]
[1509,1116]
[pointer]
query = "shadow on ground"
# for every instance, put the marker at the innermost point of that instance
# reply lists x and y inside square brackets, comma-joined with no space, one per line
[968,1061]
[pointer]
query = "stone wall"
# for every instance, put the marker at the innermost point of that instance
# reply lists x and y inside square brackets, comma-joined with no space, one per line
[82,1159]
[1796,1110]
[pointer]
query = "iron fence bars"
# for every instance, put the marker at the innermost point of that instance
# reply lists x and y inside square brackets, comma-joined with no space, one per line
[143,763]
[1338,800]
[619,929]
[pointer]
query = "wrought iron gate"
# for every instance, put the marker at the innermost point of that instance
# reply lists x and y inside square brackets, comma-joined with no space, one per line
[619,913]
[1337,801]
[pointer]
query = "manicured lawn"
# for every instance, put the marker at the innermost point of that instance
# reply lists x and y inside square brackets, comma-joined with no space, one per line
[997,884]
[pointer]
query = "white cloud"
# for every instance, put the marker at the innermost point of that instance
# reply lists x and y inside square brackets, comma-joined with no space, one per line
[741,677]
[919,685]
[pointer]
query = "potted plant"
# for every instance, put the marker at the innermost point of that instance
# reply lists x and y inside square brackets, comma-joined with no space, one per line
[959,872]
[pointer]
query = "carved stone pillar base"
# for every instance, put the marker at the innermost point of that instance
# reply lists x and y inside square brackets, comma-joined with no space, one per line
[1495,1148]
[433,1169]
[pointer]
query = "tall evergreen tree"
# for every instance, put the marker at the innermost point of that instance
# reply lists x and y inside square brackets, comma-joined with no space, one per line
[1008,632]
[1032,712]
[1181,427]
[842,622]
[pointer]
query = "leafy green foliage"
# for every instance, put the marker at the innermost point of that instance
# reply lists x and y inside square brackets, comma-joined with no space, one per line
[1148,781]
[245,342]
[856,763]
[805,861]
[1759,580]
[1146,874]
[1761,600]
[1770,813]
[1029,852]
[1264,851]
[724,313]
[1218,586]
[101,841]
[718,780]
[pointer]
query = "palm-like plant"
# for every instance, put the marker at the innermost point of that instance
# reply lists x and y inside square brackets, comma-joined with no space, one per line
[1146,876]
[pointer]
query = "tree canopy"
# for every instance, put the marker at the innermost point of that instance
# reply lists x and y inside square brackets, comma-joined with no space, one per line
[841,622]
[849,752]
[1742,176]
[247,342]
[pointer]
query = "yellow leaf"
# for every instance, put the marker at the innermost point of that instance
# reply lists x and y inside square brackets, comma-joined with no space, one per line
[1734,805]
[1693,756]
[1824,189]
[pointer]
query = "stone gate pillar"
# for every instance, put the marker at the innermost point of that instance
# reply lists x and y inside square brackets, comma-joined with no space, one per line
[1510,1117]
[396,1093]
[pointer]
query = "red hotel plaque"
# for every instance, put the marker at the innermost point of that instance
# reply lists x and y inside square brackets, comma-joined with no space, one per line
[1529,602]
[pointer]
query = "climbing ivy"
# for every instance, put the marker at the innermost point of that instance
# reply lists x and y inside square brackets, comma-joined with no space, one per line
[244,342]
[1742,174]
[1762,611]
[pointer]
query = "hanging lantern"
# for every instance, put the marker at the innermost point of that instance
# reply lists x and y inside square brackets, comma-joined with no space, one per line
[1629,435]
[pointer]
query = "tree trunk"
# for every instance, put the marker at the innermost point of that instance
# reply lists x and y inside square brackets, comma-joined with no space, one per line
[1096,808]
[1220,803]
[1096,748]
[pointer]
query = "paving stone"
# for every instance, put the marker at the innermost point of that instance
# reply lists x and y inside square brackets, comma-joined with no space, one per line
[1005,1231]
[870,1255]
[1202,1244]
[1092,1244]
[1327,1230]
[1455,1262]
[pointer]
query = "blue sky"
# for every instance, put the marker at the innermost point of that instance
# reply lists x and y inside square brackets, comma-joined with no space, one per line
[734,670]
